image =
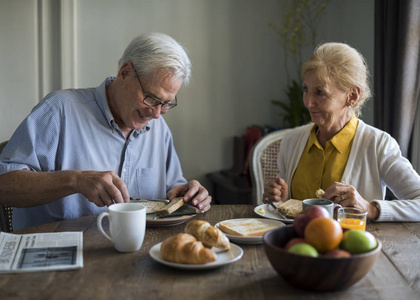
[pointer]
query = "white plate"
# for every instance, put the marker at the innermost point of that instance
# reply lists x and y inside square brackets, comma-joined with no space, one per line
[251,239]
[269,213]
[223,258]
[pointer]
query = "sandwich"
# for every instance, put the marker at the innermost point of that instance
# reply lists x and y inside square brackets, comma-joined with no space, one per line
[290,208]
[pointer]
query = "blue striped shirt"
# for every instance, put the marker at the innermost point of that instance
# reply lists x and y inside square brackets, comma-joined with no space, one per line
[75,130]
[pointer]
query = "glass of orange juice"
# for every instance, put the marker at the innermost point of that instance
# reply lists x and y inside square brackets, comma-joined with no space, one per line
[352,218]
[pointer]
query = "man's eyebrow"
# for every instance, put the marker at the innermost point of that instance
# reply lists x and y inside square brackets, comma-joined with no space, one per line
[158,98]
[154,96]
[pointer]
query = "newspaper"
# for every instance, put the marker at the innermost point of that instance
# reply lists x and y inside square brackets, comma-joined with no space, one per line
[40,252]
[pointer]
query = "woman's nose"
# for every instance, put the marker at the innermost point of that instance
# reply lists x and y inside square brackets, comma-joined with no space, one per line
[307,100]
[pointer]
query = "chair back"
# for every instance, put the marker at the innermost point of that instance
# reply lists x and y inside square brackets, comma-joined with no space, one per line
[6,211]
[263,162]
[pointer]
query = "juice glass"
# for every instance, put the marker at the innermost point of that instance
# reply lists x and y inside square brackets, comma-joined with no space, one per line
[352,218]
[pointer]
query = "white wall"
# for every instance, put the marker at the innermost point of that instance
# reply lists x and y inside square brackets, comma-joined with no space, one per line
[237,62]
[18,63]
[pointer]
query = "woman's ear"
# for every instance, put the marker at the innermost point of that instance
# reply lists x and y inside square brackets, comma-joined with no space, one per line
[353,96]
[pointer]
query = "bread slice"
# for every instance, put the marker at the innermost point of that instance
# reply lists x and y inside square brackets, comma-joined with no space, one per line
[319,193]
[152,205]
[290,208]
[247,227]
[171,207]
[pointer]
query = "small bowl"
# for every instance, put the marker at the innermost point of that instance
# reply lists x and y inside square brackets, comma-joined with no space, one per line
[320,274]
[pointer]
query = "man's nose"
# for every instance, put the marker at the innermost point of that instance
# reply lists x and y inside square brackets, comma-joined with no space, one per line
[157,111]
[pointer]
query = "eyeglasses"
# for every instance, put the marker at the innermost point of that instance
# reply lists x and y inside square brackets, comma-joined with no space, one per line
[153,101]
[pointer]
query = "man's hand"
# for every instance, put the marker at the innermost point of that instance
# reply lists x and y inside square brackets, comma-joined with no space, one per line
[102,188]
[192,192]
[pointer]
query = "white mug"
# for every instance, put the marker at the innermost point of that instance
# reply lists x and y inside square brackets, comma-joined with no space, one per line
[127,225]
[328,204]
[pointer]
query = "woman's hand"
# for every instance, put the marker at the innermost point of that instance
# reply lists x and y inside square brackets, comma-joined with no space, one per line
[347,196]
[276,190]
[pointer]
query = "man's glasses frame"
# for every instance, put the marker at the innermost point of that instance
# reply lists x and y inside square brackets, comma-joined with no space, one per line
[153,101]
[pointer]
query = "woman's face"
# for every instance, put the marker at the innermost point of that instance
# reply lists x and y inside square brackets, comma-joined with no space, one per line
[327,105]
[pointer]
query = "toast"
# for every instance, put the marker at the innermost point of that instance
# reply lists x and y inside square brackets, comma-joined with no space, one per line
[246,227]
[290,208]
[319,193]
[152,205]
[171,207]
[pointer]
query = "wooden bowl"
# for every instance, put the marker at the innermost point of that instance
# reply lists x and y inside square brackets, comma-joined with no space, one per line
[315,273]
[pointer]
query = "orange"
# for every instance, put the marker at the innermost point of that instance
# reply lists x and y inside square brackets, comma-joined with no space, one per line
[324,234]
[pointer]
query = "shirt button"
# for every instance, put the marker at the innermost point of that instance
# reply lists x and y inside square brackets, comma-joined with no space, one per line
[124,170]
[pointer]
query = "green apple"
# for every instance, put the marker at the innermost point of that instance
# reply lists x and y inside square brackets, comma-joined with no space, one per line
[304,249]
[358,241]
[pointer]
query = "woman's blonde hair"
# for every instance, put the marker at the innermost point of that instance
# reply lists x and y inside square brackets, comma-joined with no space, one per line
[342,65]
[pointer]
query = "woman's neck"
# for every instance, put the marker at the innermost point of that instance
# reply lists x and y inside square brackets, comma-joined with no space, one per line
[326,133]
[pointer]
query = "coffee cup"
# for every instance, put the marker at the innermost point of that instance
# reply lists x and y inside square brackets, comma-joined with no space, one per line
[327,204]
[127,225]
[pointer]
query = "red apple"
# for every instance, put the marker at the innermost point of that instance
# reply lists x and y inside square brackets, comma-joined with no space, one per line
[294,241]
[304,217]
[337,253]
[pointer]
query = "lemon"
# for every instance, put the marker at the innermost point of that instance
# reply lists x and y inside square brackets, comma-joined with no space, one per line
[304,249]
[260,210]
[358,241]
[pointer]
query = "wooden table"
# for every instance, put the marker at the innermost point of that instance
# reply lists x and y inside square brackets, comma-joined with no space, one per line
[108,274]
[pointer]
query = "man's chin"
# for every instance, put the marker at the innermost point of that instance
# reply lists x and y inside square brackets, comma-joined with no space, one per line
[140,125]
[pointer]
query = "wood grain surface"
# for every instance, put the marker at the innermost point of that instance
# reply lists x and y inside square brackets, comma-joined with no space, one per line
[108,274]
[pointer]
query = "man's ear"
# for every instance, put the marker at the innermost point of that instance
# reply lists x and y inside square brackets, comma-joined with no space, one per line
[125,69]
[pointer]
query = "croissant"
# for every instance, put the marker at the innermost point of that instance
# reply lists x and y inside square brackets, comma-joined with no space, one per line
[210,236]
[184,248]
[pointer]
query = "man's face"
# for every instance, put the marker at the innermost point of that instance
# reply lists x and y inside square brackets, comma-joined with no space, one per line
[128,108]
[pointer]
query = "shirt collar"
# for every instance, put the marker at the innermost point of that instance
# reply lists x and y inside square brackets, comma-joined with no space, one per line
[341,140]
[101,99]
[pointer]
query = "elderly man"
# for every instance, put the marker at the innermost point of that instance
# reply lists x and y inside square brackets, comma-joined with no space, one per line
[81,150]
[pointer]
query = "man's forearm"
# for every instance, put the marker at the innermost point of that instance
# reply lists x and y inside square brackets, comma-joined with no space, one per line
[25,188]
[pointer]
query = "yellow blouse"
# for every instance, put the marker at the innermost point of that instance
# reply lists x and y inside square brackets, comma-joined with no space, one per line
[318,167]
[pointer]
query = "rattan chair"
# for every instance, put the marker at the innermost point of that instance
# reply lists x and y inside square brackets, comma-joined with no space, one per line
[263,162]
[6,211]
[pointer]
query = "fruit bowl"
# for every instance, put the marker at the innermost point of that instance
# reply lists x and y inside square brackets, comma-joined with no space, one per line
[315,273]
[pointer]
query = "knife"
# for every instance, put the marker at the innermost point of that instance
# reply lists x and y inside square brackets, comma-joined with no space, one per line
[152,200]
[175,215]
[276,209]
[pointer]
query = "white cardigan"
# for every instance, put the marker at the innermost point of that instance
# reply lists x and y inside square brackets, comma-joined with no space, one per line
[375,162]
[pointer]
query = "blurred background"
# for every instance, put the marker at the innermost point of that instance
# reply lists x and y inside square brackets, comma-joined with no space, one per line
[238,61]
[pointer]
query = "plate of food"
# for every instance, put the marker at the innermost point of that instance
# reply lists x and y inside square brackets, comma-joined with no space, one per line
[222,258]
[289,208]
[248,230]
[201,246]
[166,213]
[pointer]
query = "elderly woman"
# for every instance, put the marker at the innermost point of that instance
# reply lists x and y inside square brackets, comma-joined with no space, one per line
[350,160]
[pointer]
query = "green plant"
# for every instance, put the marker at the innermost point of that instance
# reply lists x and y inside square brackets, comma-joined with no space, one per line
[296,32]
[294,112]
